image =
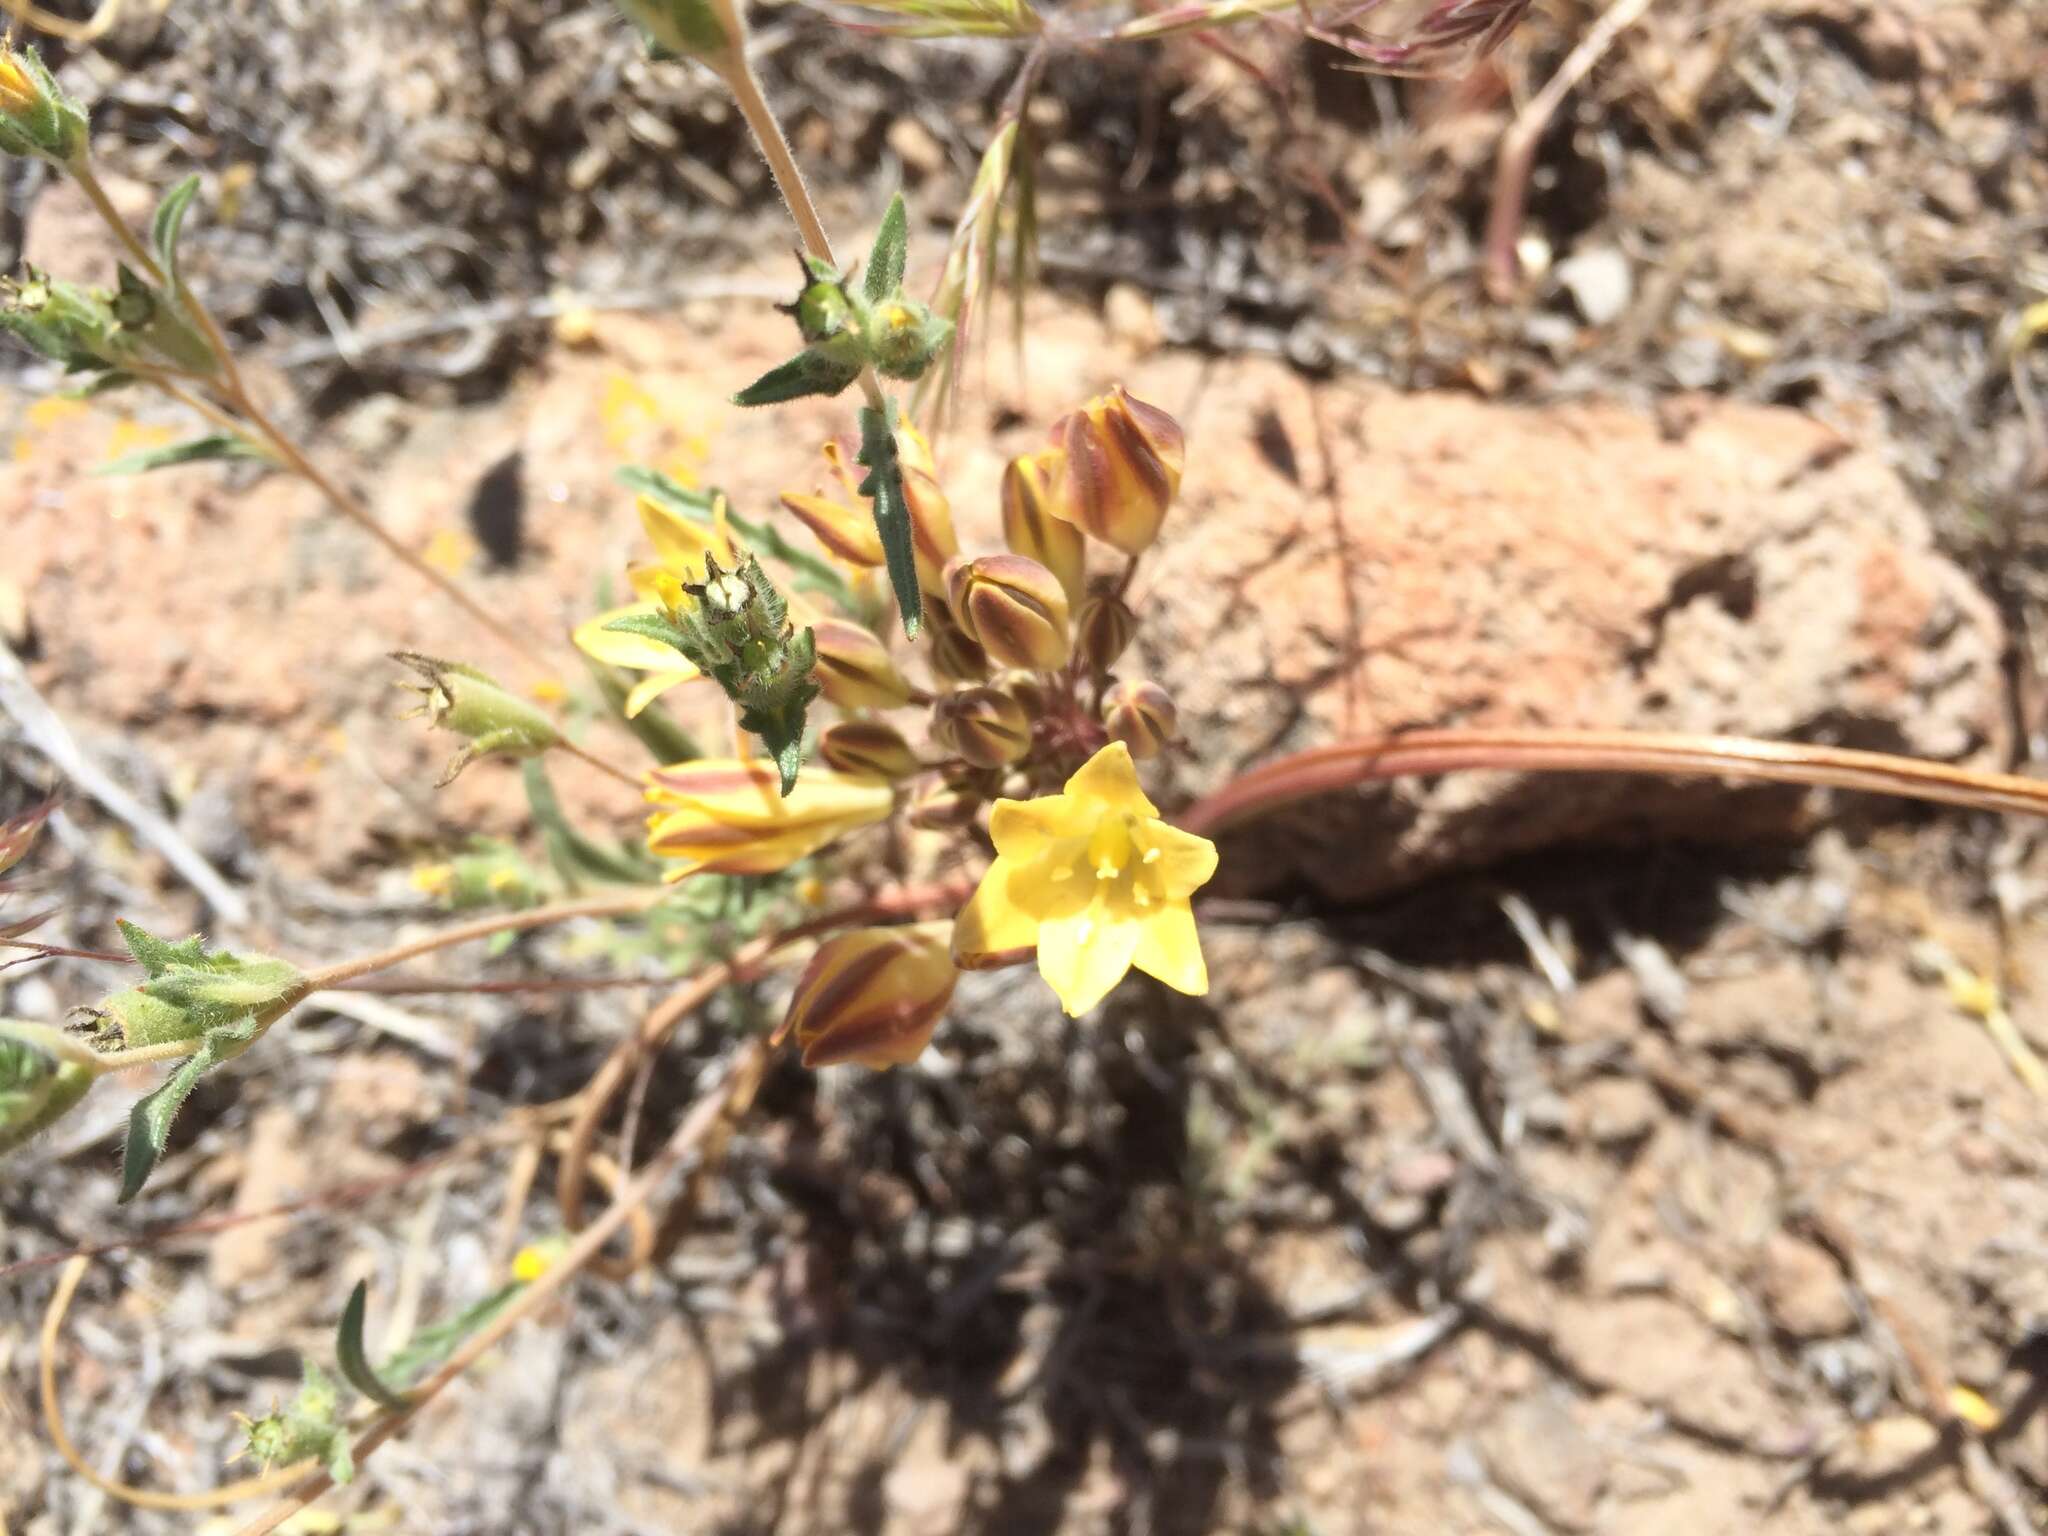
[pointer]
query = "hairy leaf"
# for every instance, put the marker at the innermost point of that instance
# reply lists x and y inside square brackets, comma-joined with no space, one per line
[884,489]
[811,372]
[889,255]
[149,1123]
[349,1354]
[164,227]
[215,445]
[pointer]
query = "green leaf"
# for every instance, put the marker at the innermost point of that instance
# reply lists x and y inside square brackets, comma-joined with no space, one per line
[349,1354]
[886,260]
[430,1346]
[884,489]
[579,860]
[164,227]
[215,445]
[651,626]
[810,372]
[655,727]
[158,957]
[190,991]
[813,573]
[149,1123]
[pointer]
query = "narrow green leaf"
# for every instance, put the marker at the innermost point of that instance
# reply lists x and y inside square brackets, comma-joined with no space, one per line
[891,251]
[884,489]
[810,372]
[164,227]
[350,1356]
[579,860]
[215,445]
[157,956]
[149,1123]
[430,1346]
[649,626]
[655,727]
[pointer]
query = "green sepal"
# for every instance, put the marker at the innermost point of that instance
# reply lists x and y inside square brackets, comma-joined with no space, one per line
[350,1357]
[310,1427]
[884,489]
[43,1075]
[165,225]
[813,371]
[149,1123]
[215,445]
[889,254]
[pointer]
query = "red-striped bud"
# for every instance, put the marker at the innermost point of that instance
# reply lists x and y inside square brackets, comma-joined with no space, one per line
[870,747]
[931,515]
[1142,716]
[1121,469]
[1031,527]
[984,725]
[1014,607]
[1104,630]
[873,996]
[854,667]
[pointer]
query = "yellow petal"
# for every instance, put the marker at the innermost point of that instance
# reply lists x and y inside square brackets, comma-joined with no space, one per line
[1083,956]
[1185,863]
[1110,779]
[618,649]
[992,930]
[1170,949]
[650,688]
[1023,829]
[680,542]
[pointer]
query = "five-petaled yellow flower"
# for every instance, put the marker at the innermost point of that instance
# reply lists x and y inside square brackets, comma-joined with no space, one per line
[1096,882]
[680,546]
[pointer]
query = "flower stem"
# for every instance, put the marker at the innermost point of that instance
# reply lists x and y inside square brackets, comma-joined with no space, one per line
[614,904]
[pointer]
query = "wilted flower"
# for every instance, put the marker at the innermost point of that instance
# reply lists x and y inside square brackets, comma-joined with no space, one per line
[495,721]
[854,667]
[691,28]
[872,996]
[984,725]
[1120,471]
[1103,630]
[869,748]
[1095,882]
[1142,716]
[726,815]
[1030,527]
[1013,607]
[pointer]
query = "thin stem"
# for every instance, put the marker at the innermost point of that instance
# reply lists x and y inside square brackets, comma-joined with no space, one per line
[747,95]
[89,183]
[597,762]
[615,904]
[1348,764]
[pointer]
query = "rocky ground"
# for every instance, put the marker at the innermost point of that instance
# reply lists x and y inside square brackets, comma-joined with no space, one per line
[1552,1155]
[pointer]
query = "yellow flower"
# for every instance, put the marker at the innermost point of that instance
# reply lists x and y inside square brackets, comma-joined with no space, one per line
[1096,882]
[725,814]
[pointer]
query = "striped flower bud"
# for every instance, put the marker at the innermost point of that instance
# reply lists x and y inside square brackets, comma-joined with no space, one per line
[729,815]
[949,801]
[1142,716]
[873,996]
[1027,688]
[1013,606]
[873,748]
[1031,527]
[931,515]
[956,657]
[1121,469]
[1104,630]
[854,667]
[984,725]
[847,532]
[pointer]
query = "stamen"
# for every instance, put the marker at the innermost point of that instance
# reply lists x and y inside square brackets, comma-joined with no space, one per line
[1086,931]
[1141,896]
[1107,871]
[1151,855]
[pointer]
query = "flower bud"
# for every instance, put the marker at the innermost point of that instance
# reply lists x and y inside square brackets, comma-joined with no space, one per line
[847,532]
[854,667]
[1027,688]
[1013,607]
[64,322]
[1031,527]
[1104,630]
[984,725]
[873,748]
[931,515]
[690,28]
[946,804]
[1121,469]
[1142,716]
[873,996]
[36,117]
[956,657]
[495,721]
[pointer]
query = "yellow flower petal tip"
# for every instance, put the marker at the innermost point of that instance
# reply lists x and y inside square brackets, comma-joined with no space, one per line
[1095,882]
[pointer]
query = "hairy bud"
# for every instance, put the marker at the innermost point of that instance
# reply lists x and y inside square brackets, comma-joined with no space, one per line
[495,721]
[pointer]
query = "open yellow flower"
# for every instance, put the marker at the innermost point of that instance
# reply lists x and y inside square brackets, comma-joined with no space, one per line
[1095,882]
[727,815]
[680,546]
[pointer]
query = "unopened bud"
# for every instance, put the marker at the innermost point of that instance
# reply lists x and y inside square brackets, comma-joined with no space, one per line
[847,532]
[854,667]
[956,656]
[1013,607]
[1104,630]
[873,996]
[1030,527]
[947,803]
[1142,716]
[64,322]
[931,515]
[871,747]
[1027,688]
[984,725]
[495,721]
[36,117]
[690,28]
[1121,469]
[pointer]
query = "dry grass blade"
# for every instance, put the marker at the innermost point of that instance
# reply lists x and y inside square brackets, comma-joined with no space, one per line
[947,18]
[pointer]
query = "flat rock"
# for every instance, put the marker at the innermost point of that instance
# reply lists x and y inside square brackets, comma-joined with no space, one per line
[1714,568]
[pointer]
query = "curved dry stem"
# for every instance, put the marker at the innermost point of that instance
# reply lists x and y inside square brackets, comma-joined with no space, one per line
[1324,770]
[127,1493]
[614,904]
